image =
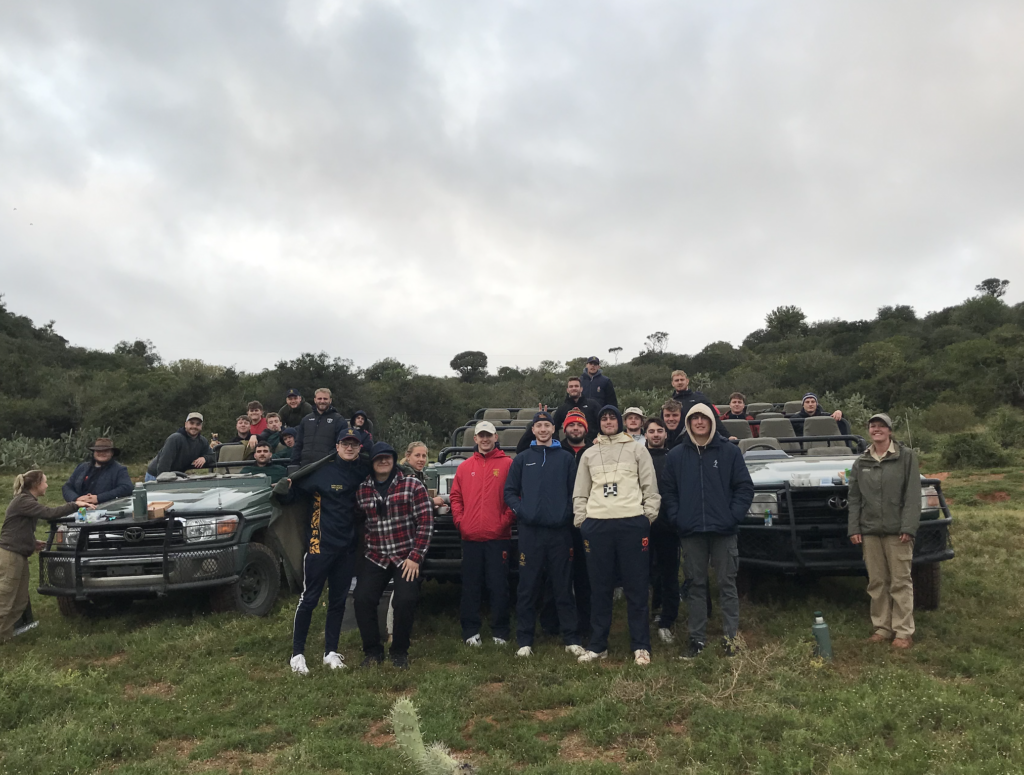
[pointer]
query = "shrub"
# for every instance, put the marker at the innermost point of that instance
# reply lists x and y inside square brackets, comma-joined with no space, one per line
[972,450]
[1007,427]
[948,418]
[19,452]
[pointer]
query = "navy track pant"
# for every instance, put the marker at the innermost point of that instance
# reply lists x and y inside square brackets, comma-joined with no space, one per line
[485,563]
[665,575]
[334,569]
[545,561]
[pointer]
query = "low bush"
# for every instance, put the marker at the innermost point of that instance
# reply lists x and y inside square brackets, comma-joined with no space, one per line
[948,418]
[19,452]
[972,450]
[1007,427]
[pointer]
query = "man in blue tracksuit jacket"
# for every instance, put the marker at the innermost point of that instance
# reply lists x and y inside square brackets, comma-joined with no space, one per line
[707,492]
[539,490]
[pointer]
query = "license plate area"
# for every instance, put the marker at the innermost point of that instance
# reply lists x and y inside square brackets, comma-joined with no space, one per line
[124,570]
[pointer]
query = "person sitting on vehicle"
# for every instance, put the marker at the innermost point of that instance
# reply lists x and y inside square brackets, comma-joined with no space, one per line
[664,540]
[812,408]
[332,543]
[539,490]
[18,543]
[284,448]
[360,421]
[257,420]
[417,455]
[596,385]
[272,434]
[99,479]
[574,399]
[263,465]
[672,414]
[708,492]
[399,520]
[615,499]
[485,524]
[294,409]
[184,449]
[884,514]
[317,431]
[738,411]
[243,431]
[633,418]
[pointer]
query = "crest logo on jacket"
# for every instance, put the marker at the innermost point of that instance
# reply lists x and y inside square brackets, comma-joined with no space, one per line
[495,472]
[643,543]
[330,420]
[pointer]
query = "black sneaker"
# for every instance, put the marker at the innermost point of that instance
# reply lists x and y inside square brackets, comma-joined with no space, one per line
[372,660]
[730,647]
[694,649]
[400,661]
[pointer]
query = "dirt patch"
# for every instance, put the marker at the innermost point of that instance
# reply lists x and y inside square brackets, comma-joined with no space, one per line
[177,747]
[491,688]
[986,477]
[550,714]
[994,497]
[575,748]
[236,762]
[162,689]
[467,731]
[113,659]
[942,476]
[380,734]
[678,728]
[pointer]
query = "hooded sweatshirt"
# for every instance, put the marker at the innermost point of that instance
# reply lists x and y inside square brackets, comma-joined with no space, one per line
[366,432]
[478,497]
[615,479]
[179,451]
[539,486]
[707,487]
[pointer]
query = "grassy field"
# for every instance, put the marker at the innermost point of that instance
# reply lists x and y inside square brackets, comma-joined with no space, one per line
[172,688]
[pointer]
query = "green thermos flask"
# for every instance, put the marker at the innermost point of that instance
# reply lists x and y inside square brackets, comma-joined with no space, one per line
[139,501]
[823,641]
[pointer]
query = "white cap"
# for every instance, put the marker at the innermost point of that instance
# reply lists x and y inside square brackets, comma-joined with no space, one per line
[484,427]
[634,410]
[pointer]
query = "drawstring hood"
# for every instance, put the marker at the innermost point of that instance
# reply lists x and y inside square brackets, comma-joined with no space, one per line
[554,445]
[704,410]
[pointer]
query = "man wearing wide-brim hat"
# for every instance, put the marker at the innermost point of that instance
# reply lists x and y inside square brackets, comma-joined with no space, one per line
[99,479]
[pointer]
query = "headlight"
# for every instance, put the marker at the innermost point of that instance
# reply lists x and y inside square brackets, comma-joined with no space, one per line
[929,498]
[764,503]
[66,537]
[210,528]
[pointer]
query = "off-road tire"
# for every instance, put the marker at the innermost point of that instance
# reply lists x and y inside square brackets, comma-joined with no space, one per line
[258,585]
[103,606]
[927,578]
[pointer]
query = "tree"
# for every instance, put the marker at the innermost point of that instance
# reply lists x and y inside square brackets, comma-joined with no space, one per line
[143,350]
[786,321]
[656,342]
[993,286]
[471,365]
[614,351]
[901,313]
[388,370]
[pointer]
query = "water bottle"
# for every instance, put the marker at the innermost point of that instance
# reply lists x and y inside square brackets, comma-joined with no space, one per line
[139,501]
[767,518]
[823,641]
[80,516]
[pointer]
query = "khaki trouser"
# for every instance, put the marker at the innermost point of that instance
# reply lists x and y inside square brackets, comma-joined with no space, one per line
[13,591]
[892,592]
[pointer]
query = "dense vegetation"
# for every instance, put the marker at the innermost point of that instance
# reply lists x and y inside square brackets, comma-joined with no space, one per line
[942,373]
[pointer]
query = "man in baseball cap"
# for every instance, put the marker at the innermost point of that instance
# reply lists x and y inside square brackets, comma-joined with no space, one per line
[633,419]
[597,386]
[184,449]
[294,409]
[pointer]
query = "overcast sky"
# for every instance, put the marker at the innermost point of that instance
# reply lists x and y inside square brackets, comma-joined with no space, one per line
[241,182]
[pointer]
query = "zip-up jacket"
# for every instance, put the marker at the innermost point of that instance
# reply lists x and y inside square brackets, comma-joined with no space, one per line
[885,496]
[600,389]
[107,482]
[539,486]
[179,451]
[332,490]
[478,497]
[18,533]
[316,436]
[708,488]
[659,457]
[398,526]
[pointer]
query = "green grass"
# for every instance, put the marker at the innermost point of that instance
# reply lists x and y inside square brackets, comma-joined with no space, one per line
[172,688]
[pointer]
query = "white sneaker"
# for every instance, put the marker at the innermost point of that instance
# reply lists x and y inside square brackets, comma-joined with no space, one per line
[298,664]
[474,641]
[576,651]
[335,661]
[525,651]
[592,656]
[666,635]
[642,657]
[618,594]
[500,641]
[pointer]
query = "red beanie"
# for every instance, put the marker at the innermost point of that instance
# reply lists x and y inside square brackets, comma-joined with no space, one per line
[575,415]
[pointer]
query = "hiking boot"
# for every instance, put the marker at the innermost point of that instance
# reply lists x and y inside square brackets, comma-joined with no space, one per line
[525,651]
[902,643]
[298,664]
[730,646]
[372,660]
[400,661]
[474,641]
[665,635]
[694,649]
[879,637]
[592,656]
[334,660]
[642,657]
[576,650]
[500,641]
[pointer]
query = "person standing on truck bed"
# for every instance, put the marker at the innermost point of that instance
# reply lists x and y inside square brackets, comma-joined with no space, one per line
[99,479]
[539,490]
[294,409]
[615,499]
[257,419]
[399,520]
[884,514]
[184,449]
[707,492]
[574,399]
[485,523]
[333,544]
[316,433]
[18,543]
[597,386]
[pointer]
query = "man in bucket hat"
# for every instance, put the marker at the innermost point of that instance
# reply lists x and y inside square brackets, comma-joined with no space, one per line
[100,478]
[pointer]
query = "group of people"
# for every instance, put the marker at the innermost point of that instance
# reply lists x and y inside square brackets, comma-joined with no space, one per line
[595,511]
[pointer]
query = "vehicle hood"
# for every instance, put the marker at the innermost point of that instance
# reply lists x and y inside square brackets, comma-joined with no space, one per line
[779,471]
[241,494]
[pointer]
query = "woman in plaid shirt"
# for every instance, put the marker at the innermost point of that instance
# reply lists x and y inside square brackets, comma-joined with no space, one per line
[399,520]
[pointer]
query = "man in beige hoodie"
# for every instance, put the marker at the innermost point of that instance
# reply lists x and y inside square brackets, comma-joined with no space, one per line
[615,500]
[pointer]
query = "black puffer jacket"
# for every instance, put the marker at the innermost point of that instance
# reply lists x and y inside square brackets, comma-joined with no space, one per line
[317,435]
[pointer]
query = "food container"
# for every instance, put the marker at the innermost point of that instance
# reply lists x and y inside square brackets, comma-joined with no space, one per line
[157,509]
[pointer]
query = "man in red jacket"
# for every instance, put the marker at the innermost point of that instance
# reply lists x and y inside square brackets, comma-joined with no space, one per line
[485,522]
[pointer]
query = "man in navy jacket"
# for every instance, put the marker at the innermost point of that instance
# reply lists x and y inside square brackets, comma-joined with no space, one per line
[707,492]
[597,386]
[539,490]
[100,479]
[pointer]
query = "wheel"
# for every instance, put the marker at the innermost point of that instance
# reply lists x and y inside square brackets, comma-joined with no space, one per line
[257,587]
[101,606]
[927,578]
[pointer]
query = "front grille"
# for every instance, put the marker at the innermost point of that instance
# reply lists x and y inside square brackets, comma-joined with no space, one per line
[188,567]
[815,506]
[151,537]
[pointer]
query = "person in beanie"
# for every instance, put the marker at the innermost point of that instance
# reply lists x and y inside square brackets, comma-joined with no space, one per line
[707,492]
[99,479]
[664,540]
[284,449]
[615,499]
[485,523]
[884,513]
[360,421]
[596,386]
[577,441]
[574,399]
[294,409]
[811,408]
[332,543]
[399,520]
[539,490]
